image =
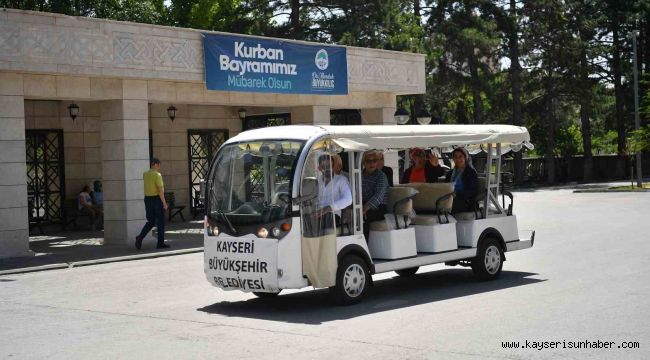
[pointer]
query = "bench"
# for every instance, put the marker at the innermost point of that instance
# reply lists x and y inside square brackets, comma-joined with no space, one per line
[70,213]
[435,231]
[172,208]
[392,238]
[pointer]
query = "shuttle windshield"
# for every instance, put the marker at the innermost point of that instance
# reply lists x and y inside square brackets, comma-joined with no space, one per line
[250,184]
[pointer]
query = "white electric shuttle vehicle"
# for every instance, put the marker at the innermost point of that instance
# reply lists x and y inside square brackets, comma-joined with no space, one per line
[266,230]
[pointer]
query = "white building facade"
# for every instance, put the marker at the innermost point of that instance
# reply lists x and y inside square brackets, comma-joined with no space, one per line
[124,77]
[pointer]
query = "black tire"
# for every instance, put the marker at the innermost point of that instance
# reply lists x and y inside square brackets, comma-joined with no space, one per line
[352,281]
[408,271]
[266,295]
[488,262]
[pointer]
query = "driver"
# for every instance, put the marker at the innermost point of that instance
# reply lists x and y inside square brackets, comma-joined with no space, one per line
[334,190]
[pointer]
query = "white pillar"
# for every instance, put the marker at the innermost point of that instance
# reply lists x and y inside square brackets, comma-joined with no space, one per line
[125,156]
[14,223]
[310,115]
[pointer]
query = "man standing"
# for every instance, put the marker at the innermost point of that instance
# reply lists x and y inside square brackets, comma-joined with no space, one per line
[155,205]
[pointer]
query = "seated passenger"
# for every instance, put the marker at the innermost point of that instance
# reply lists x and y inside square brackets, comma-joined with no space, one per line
[385,169]
[334,191]
[465,182]
[337,165]
[422,170]
[374,191]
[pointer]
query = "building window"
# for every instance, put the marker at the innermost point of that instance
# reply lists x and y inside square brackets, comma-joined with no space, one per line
[345,117]
[267,120]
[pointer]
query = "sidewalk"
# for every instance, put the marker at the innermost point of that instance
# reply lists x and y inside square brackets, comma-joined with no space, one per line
[64,249]
[578,186]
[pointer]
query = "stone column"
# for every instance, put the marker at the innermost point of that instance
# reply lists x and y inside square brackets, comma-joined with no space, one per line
[125,156]
[384,116]
[14,223]
[310,115]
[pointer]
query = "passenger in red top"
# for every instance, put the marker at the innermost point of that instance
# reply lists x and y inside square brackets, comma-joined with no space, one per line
[422,169]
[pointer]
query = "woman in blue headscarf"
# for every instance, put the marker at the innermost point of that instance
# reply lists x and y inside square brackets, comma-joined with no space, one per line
[465,182]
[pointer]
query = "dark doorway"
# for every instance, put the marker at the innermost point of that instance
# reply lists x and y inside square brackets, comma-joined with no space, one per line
[345,117]
[262,121]
[202,145]
[45,175]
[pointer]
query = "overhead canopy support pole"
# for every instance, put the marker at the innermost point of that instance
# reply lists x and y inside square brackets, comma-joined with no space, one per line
[492,180]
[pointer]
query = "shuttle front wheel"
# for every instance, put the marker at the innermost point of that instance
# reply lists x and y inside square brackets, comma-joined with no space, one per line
[352,281]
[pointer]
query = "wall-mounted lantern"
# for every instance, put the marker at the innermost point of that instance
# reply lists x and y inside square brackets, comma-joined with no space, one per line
[171,112]
[242,113]
[73,110]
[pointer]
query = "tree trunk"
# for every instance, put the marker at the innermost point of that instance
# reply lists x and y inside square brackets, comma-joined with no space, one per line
[476,90]
[461,113]
[294,19]
[646,45]
[618,92]
[515,77]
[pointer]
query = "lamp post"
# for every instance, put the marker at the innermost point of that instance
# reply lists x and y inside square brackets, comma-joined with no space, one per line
[171,112]
[73,110]
[423,117]
[637,125]
[402,116]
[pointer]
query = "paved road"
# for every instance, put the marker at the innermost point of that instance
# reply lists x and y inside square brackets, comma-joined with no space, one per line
[587,278]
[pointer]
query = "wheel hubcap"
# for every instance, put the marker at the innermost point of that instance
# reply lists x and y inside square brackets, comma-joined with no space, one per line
[492,259]
[354,280]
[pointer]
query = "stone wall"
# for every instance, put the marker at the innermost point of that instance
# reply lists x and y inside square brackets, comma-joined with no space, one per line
[58,44]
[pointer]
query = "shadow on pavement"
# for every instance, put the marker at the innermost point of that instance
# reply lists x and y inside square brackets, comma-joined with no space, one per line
[314,307]
[65,247]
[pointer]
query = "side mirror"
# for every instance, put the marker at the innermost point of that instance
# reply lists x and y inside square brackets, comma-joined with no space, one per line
[309,190]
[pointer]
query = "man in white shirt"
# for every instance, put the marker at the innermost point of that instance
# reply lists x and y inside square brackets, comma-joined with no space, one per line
[334,190]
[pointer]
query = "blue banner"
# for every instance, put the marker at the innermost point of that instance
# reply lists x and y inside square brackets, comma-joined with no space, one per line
[240,63]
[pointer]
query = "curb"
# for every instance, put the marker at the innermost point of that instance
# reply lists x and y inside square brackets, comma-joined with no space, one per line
[100,261]
[610,191]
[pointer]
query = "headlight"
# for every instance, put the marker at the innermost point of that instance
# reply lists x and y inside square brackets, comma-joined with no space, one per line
[262,232]
[275,232]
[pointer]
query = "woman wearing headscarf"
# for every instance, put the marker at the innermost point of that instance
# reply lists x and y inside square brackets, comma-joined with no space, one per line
[423,169]
[465,181]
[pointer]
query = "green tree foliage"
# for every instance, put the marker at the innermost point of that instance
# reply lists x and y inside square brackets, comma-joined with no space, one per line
[560,67]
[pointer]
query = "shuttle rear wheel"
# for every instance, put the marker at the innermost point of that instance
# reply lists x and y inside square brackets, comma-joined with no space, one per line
[488,262]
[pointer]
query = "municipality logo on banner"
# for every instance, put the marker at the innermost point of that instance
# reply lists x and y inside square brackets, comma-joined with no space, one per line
[321,59]
[239,63]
